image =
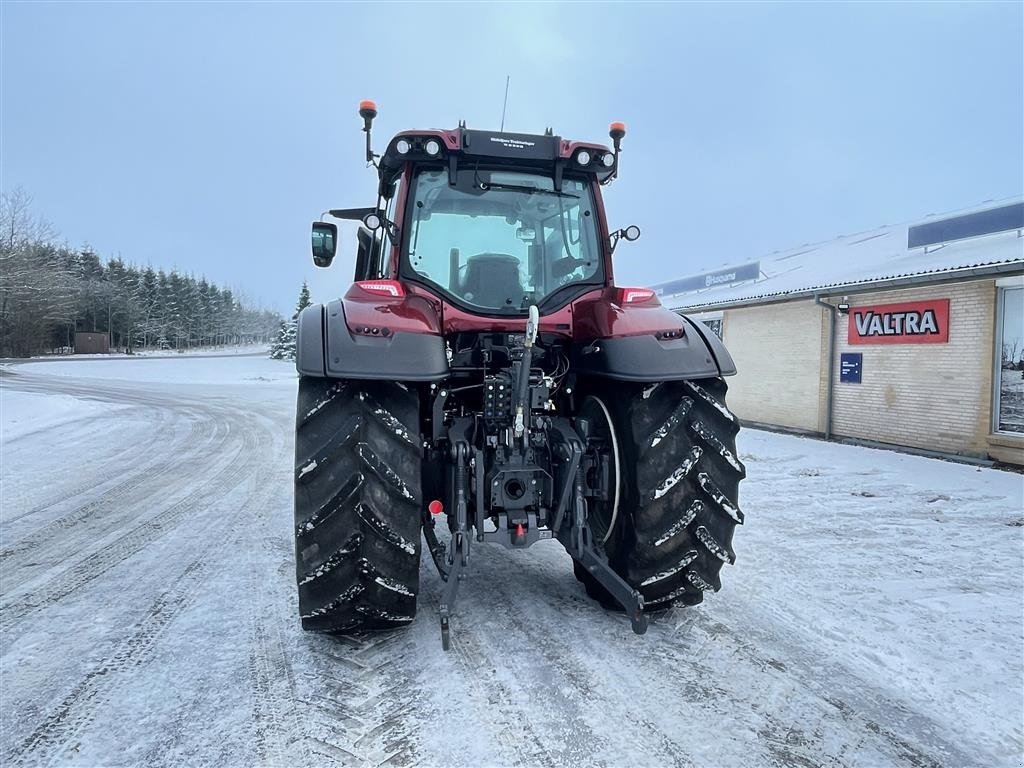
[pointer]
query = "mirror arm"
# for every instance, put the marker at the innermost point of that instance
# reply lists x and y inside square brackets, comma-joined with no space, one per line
[351,214]
[614,237]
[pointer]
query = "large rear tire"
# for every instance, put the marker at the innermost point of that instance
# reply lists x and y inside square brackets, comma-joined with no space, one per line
[357,508]
[680,491]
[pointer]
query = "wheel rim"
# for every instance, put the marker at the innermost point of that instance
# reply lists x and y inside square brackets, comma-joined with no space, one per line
[602,430]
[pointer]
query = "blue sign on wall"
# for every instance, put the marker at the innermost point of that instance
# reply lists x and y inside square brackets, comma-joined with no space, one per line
[850,366]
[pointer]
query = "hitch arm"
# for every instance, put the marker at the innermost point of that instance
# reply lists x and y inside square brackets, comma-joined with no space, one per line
[577,539]
[458,557]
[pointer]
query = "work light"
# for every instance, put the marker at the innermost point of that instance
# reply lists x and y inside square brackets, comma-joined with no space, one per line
[608,160]
[583,157]
[402,147]
[432,147]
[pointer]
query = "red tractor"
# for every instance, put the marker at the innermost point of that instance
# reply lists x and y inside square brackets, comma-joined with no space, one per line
[485,371]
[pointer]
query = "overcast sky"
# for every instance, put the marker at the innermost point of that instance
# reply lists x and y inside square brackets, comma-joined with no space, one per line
[207,136]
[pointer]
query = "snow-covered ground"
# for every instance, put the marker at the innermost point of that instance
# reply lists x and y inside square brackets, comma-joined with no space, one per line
[225,351]
[147,608]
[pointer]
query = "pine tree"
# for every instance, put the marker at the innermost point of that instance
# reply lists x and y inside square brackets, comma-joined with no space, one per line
[304,300]
[47,292]
[283,347]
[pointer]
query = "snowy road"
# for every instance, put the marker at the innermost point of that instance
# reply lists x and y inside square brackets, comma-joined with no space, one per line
[147,608]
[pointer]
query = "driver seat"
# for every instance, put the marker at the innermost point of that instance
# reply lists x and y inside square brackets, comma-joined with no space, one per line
[492,279]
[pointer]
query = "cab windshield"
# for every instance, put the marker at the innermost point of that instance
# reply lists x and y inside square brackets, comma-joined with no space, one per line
[501,240]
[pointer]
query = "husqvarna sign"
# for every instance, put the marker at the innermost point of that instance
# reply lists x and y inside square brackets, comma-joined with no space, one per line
[912,322]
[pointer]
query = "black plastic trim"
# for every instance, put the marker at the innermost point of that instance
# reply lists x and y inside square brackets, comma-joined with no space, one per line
[645,358]
[309,341]
[726,365]
[344,355]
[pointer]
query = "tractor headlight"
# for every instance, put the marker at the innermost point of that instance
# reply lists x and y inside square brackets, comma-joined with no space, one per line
[432,147]
[583,157]
[402,147]
[608,160]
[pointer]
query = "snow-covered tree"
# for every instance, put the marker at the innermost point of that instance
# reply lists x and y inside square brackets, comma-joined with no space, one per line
[47,292]
[283,347]
[304,300]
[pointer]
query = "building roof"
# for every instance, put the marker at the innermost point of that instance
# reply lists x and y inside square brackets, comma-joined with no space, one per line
[983,240]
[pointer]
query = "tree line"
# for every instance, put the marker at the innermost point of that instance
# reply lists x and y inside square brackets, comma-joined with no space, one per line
[49,291]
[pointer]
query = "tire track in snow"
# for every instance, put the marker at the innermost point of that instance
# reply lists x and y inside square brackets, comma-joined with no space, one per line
[95,464]
[74,578]
[276,716]
[577,685]
[829,686]
[42,547]
[75,711]
[62,728]
[359,699]
[562,666]
[271,710]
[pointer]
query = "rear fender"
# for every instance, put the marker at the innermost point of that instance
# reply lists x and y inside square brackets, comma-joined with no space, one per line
[337,340]
[644,342]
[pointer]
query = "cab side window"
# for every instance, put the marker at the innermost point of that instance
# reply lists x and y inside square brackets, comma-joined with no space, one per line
[386,246]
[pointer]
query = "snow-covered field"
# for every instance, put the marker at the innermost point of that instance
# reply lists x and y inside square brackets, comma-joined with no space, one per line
[147,608]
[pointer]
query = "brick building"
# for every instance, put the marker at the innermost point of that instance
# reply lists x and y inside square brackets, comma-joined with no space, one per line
[909,335]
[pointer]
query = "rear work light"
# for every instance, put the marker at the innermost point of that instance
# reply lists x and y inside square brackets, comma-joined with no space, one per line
[391,288]
[636,295]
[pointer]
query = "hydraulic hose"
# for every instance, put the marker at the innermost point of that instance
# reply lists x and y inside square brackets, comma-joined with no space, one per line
[523,380]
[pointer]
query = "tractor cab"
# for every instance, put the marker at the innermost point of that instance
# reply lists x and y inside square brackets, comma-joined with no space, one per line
[492,223]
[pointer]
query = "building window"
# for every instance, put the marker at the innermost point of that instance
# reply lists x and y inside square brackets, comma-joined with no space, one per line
[1009,392]
[712,320]
[715,325]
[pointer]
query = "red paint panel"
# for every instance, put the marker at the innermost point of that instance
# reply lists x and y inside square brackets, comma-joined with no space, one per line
[457,320]
[599,315]
[909,322]
[411,313]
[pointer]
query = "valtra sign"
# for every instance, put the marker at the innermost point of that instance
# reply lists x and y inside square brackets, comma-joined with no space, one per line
[912,322]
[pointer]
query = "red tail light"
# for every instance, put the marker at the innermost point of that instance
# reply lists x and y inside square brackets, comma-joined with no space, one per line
[391,288]
[636,296]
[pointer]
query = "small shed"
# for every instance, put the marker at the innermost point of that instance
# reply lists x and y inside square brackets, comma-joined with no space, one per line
[92,344]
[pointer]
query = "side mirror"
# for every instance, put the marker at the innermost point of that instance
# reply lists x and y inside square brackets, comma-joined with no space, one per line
[630,233]
[324,243]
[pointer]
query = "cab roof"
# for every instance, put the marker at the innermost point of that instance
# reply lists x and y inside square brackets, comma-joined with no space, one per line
[519,150]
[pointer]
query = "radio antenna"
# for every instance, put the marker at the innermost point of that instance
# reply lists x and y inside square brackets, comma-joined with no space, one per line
[504,106]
